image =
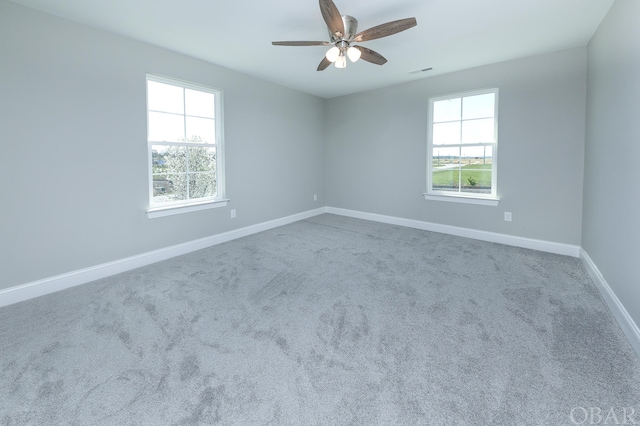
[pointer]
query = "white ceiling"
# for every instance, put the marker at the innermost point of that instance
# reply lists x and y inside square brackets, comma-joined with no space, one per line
[451,34]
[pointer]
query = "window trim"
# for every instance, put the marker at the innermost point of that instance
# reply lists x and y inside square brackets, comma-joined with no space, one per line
[185,206]
[491,199]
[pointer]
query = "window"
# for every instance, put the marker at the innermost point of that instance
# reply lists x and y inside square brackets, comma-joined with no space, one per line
[185,146]
[462,147]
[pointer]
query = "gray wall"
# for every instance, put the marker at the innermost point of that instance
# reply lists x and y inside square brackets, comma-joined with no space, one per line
[73,190]
[611,234]
[376,148]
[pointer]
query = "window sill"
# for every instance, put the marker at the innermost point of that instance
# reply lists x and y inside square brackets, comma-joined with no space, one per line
[184,208]
[485,201]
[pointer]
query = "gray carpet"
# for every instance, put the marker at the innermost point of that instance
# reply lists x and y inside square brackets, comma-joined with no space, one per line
[330,320]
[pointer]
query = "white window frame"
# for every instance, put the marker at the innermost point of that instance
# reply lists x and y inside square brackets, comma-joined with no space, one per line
[166,209]
[462,197]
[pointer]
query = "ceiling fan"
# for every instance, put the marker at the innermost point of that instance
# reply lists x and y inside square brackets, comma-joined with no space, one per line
[342,33]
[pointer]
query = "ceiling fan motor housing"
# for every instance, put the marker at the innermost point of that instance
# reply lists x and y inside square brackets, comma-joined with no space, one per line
[350,29]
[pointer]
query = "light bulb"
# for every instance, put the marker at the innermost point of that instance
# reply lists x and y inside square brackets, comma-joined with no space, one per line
[341,62]
[353,53]
[332,54]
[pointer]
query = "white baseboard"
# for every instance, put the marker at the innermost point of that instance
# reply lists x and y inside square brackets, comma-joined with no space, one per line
[540,245]
[33,289]
[628,325]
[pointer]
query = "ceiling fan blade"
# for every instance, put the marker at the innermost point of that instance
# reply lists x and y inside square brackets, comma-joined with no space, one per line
[301,43]
[324,64]
[371,56]
[331,16]
[384,30]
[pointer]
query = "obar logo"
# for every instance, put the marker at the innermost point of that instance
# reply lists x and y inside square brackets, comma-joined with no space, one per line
[600,416]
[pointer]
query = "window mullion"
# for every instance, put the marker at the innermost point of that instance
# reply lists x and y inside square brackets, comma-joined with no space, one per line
[165,112]
[217,103]
[460,168]
[460,147]
[201,144]
[186,146]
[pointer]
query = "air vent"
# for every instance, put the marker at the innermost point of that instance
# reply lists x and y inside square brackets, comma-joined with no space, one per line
[419,71]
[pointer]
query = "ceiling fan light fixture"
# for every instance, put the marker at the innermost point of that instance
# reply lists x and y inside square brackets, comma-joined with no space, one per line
[341,62]
[332,54]
[353,54]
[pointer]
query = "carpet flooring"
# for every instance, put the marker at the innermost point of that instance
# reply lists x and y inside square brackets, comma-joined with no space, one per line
[326,321]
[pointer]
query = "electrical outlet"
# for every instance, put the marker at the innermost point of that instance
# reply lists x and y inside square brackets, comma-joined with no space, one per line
[233,214]
[507,216]
[315,197]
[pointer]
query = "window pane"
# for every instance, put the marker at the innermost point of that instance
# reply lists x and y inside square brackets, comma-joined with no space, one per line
[169,173]
[157,159]
[487,155]
[446,133]
[175,189]
[476,181]
[166,127]
[202,159]
[446,180]
[169,187]
[201,104]
[201,130]
[446,169]
[202,185]
[162,187]
[165,97]
[445,156]
[169,159]
[476,155]
[479,106]
[447,110]
[478,131]
[476,170]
